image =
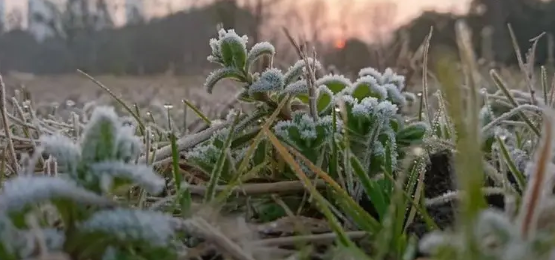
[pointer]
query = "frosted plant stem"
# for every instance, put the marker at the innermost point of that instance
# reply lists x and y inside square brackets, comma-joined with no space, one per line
[184,143]
[6,124]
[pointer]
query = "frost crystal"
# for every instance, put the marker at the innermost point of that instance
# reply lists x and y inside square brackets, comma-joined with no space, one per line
[296,71]
[129,146]
[302,131]
[395,95]
[370,72]
[271,80]
[143,175]
[135,225]
[336,83]
[365,108]
[23,191]
[297,87]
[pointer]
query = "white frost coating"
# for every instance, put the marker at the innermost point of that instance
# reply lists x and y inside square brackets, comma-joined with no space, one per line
[104,121]
[305,125]
[126,224]
[365,108]
[395,95]
[26,190]
[297,87]
[296,71]
[225,36]
[271,80]
[373,85]
[65,151]
[141,174]
[258,50]
[370,72]
[335,80]
[129,146]
[218,75]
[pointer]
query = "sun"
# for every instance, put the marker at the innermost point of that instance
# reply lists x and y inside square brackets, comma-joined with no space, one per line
[339,44]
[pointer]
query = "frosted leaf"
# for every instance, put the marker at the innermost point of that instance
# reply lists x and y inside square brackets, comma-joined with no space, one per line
[23,191]
[395,95]
[296,88]
[349,100]
[99,137]
[520,159]
[368,86]
[129,145]
[386,109]
[365,72]
[258,50]
[132,225]
[335,83]
[365,108]
[215,57]
[65,151]
[296,71]
[494,223]
[390,77]
[204,153]
[271,80]
[303,132]
[142,175]
[233,49]
[218,75]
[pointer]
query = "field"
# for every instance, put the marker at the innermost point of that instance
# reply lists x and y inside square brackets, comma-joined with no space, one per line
[316,166]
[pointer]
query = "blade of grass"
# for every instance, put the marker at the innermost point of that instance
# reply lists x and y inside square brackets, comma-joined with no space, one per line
[360,216]
[519,177]
[197,111]
[119,100]
[320,200]
[248,155]
[217,171]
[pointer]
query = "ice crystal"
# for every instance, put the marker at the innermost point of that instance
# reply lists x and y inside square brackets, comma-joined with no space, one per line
[297,87]
[296,71]
[270,80]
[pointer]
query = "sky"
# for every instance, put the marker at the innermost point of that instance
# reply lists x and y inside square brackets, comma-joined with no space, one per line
[360,10]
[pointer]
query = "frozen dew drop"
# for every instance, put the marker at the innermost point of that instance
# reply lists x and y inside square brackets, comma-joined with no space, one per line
[26,104]
[70,103]
[419,94]
[168,106]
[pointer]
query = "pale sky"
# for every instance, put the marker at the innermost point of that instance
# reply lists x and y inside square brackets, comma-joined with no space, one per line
[359,11]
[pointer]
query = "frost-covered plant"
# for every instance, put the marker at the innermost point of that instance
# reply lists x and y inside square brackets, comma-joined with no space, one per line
[100,163]
[319,114]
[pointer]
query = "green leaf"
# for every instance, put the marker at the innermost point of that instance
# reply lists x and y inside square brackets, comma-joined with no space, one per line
[220,74]
[325,100]
[99,141]
[368,87]
[335,83]
[372,188]
[234,52]
[259,50]
[412,133]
